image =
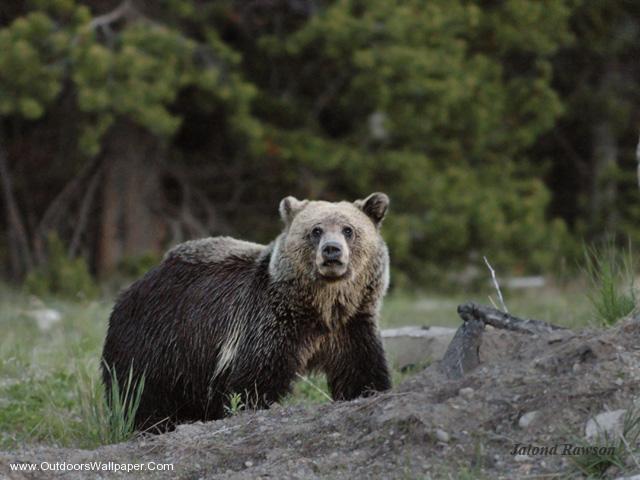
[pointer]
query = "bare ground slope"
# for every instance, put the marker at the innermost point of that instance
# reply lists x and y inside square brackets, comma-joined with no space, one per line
[428,427]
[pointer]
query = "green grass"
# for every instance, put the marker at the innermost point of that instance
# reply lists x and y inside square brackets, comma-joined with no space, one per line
[309,390]
[564,306]
[611,274]
[39,370]
[50,381]
[108,419]
[236,405]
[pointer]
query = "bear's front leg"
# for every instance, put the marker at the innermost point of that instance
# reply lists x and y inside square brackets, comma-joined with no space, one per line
[355,363]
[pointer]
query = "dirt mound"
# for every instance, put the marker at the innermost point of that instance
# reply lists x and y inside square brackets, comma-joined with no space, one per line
[537,391]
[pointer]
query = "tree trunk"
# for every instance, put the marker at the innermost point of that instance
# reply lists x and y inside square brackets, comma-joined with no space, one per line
[604,189]
[19,249]
[131,192]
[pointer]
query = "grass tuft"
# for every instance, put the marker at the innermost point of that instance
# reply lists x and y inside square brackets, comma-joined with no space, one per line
[611,275]
[109,419]
[236,405]
[606,451]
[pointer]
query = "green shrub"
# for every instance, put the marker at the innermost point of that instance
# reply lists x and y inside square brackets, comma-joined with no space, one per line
[236,405]
[136,266]
[611,274]
[61,275]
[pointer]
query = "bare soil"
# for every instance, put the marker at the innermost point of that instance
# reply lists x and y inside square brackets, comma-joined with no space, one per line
[428,427]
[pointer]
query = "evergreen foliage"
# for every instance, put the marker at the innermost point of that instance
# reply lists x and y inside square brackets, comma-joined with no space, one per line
[441,104]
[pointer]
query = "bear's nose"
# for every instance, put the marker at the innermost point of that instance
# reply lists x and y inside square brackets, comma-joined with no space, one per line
[331,251]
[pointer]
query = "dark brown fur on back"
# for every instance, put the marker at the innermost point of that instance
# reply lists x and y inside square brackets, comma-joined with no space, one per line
[220,316]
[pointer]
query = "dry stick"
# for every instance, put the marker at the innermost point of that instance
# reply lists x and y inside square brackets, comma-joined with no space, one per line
[496,285]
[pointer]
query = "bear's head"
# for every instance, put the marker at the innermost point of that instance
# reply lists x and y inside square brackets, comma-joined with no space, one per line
[326,242]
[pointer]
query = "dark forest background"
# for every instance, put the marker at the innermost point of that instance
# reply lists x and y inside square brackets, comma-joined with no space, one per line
[504,128]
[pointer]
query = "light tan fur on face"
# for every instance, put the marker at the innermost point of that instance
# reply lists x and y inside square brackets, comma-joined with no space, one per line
[333,233]
[294,259]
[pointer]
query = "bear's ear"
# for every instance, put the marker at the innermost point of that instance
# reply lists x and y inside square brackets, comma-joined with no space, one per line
[289,208]
[375,206]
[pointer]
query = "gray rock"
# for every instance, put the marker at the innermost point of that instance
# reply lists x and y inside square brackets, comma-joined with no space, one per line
[466,393]
[606,423]
[46,318]
[442,436]
[526,419]
[408,346]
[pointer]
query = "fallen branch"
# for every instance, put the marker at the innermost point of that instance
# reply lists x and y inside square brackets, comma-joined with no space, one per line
[505,321]
[463,353]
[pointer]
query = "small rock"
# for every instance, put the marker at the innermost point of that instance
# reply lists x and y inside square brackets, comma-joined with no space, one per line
[609,423]
[408,346]
[442,436]
[466,392]
[248,464]
[45,317]
[527,418]
[521,458]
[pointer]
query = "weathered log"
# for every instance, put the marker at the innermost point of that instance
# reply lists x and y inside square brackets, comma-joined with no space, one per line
[463,353]
[505,321]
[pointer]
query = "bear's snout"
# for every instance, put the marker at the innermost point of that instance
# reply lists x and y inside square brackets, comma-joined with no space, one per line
[332,256]
[332,252]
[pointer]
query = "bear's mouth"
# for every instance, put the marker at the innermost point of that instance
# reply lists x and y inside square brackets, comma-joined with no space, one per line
[332,263]
[332,270]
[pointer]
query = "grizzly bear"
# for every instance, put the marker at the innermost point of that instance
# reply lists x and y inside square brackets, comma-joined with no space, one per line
[221,316]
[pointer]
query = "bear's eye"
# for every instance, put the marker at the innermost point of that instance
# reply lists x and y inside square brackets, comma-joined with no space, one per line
[347,232]
[316,232]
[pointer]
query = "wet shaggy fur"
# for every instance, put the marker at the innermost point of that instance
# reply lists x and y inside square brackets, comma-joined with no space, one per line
[221,316]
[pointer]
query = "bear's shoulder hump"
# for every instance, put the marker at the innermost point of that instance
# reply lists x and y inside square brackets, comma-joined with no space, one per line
[214,250]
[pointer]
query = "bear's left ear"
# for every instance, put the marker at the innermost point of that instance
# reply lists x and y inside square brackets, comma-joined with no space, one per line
[289,208]
[375,206]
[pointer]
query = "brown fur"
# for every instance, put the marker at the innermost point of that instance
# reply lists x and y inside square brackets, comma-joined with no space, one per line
[222,316]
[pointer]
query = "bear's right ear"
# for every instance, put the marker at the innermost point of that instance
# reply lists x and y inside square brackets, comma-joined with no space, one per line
[289,208]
